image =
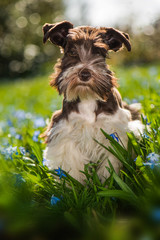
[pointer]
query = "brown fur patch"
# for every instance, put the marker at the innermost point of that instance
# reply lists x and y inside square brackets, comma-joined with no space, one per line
[135,113]
[67,108]
[111,105]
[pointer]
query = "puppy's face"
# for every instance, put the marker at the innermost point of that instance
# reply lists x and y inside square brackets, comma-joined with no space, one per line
[83,69]
[82,72]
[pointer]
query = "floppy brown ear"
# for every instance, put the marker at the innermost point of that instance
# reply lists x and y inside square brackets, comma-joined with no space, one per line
[57,33]
[115,39]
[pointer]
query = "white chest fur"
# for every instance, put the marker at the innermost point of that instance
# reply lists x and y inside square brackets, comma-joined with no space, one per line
[87,110]
[72,145]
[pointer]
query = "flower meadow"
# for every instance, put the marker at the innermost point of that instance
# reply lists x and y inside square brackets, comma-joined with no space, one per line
[38,203]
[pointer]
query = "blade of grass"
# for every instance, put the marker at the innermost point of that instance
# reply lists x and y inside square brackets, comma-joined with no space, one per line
[119,194]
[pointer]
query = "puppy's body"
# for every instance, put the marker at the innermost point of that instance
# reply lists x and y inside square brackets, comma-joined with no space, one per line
[71,142]
[91,100]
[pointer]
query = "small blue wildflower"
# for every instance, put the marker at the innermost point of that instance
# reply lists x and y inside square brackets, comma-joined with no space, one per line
[39,122]
[153,160]
[8,152]
[114,137]
[151,165]
[60,173]
[22,150]
[134,100]
[146,121]
[144,135]
[20,114]
[54,200]
[35,136]
[135,159]
[9,123]
[155,215]
[18,136]
[153,157]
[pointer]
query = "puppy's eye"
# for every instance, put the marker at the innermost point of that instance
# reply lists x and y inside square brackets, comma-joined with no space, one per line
[72,53]
[99,51]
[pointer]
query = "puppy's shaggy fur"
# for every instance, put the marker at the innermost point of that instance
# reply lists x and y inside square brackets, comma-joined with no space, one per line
[91,99]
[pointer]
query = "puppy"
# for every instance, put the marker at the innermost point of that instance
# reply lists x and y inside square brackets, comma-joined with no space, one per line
[91,100]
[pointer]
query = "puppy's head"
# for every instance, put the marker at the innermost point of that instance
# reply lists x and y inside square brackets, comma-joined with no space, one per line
[82,71]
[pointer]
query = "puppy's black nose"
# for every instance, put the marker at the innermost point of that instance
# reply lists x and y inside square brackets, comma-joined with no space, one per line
[84,75]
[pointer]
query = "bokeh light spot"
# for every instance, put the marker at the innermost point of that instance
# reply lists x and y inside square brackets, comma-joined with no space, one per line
[31,51]
[21,22]
[35,18]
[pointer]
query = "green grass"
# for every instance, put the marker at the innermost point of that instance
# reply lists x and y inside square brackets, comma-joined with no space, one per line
[129,208]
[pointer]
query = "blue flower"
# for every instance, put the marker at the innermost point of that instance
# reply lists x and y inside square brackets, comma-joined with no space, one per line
[144,135]
[22,150]
[151,165]
[153,160]
[18,136]
[60,173]
[9,151]
[114,136]
[39,122]
[134,100]
[20,114]
[54,200]
[146,121]
[135,159]
[35,136]
[153,157]
[9,122]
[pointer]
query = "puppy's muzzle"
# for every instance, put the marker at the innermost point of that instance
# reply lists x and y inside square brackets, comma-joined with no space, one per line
[84,75]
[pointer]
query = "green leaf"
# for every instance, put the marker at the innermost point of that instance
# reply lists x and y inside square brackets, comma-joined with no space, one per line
[135,144]
[118,151]
[123,185]
[139,161]
[74,192]
[118,194]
